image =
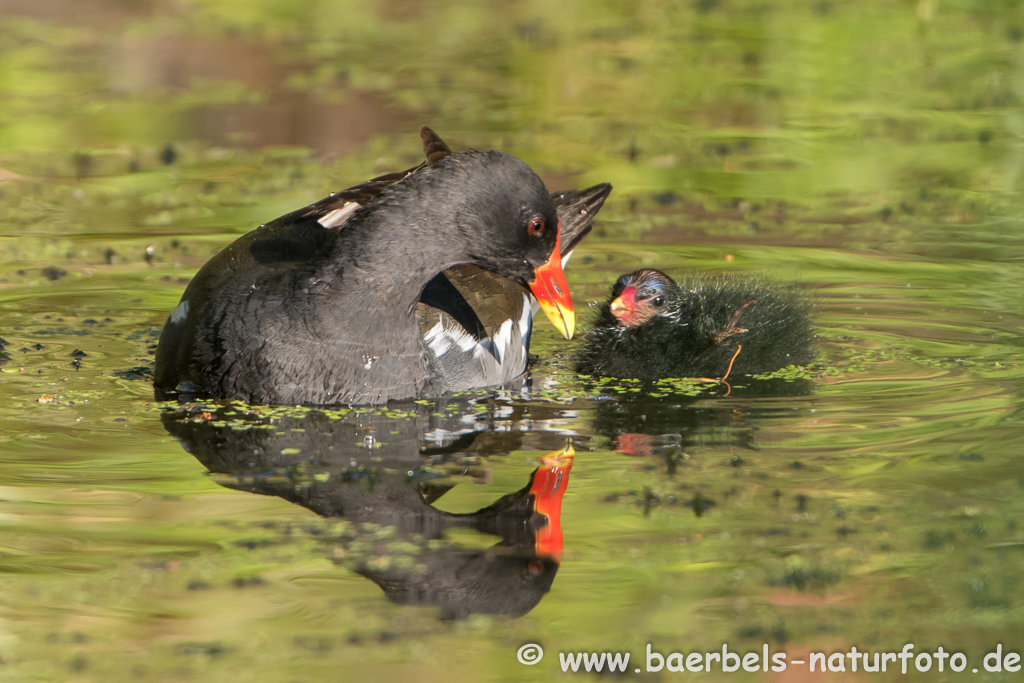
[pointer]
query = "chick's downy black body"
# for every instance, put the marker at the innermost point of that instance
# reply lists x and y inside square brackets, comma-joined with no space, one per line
[653,327]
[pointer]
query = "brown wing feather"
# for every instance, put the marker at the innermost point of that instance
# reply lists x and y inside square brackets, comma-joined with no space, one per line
[434,148]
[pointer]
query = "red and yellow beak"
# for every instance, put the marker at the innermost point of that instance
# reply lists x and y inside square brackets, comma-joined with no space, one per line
[549,483]
[552,292]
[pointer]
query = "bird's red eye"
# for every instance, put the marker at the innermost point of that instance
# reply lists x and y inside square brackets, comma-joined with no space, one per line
[536,226]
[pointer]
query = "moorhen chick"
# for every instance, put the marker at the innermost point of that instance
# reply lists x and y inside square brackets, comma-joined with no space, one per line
[323,305]
[706,326]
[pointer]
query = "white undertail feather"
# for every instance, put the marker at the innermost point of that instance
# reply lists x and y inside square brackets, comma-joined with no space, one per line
[434,331]
[441,340]
[503,340]
[526,318]
[568,255]
[500,358]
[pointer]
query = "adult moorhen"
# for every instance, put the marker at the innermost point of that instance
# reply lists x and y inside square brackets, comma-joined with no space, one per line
[412,284]
[706,326]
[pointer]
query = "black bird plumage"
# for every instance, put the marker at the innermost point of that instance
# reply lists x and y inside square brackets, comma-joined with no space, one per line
[323,305]
[694,328]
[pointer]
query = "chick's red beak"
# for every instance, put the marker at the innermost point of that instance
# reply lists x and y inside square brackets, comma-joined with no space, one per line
[623,307]
[552,292]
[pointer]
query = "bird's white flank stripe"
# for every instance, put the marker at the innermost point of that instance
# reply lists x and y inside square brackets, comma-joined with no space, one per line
[338,216]
[179,313]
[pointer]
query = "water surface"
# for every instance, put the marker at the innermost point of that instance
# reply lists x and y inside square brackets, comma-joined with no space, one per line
[873,153]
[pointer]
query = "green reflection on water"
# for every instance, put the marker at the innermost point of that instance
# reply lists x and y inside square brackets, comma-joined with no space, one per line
[871,151]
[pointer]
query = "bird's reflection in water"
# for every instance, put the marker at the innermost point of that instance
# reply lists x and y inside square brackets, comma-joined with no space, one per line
[369,468]
[661,427]
[658,423]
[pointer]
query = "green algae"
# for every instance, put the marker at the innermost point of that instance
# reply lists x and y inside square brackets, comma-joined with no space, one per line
[872,153]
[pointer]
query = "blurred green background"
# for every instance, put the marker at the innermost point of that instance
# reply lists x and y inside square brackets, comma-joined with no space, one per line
[873,151]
